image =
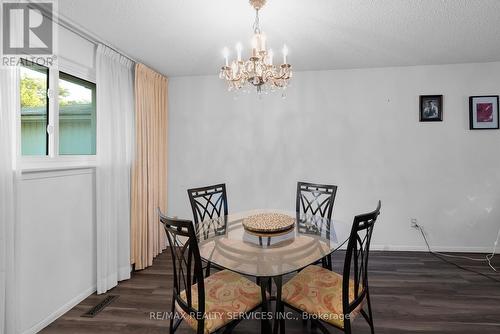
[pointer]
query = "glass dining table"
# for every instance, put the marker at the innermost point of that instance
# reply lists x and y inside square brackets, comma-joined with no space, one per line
[227,244]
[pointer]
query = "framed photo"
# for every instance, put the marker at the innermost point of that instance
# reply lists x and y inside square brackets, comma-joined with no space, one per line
[431,108]
[483,112]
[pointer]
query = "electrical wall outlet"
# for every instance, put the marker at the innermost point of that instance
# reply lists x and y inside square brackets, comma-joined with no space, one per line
[413,222]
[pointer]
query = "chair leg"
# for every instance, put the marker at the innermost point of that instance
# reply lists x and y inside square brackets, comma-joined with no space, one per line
[321,327]
[201,327]
[171,328]
[326,262]
[372,327]
[207,270]
[367,318]
[314,326]
[229,328]
[347,326]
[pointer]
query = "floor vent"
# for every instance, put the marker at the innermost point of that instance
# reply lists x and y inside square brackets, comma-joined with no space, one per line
[99,307]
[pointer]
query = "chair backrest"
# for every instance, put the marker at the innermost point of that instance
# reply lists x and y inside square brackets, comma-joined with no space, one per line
[186,262]
[208,202]
[356,259]
[315,199]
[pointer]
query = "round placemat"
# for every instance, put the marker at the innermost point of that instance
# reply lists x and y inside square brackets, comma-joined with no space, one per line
[268,222]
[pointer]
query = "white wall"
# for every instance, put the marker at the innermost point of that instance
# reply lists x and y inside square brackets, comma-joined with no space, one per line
[76,55]
[55,228]
[358,129]
[55,244]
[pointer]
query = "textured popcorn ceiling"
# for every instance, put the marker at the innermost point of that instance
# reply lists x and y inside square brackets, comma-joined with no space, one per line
[186,37]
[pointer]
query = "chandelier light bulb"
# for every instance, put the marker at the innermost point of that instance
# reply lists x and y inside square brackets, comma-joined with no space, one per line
[285,53]
[254,41]
[225,53]
[262,42]
[239,47]
[259,42]
[270,54]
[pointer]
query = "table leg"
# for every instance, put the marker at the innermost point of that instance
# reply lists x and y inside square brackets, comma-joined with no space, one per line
[265,326]
[278,312]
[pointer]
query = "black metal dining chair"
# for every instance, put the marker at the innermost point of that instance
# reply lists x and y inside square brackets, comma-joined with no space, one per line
[208,202]
[318,200]
[337,299]
[213,304]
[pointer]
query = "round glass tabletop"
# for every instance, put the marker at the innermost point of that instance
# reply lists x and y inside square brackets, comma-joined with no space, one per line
[226,243]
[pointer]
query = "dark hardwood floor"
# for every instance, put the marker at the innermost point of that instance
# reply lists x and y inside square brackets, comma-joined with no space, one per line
[411,293]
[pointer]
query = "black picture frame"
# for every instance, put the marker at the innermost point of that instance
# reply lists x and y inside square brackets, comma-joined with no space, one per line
[428,106]
[474,122]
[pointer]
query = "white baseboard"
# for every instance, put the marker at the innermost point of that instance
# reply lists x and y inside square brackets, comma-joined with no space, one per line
[451,249]
[59,312]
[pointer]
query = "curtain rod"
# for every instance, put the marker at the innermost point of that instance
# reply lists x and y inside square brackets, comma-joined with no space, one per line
[80,31]
[90,37]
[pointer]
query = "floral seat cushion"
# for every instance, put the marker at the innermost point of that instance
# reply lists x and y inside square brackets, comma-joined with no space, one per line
[227,296]
[318,291]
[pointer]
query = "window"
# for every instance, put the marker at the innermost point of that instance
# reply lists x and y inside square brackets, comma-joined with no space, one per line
[62,124]
[77,121]
[34,110]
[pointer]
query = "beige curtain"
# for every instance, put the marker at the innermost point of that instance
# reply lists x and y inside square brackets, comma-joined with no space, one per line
[149,173]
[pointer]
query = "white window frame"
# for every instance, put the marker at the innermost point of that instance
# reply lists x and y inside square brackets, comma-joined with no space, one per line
[54,161]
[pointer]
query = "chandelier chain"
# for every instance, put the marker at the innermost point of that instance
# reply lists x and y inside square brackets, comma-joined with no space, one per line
[256,24]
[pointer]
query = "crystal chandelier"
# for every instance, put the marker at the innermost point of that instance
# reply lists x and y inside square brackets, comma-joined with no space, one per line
[259,69]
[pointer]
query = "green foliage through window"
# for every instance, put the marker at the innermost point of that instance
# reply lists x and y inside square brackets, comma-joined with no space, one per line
[34,110]
[77,113]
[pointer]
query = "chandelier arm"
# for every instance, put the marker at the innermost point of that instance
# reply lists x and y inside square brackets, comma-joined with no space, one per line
[237,78]
[279,77]
[231,77]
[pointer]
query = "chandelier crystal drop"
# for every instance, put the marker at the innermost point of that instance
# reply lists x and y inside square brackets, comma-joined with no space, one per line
[259,69]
